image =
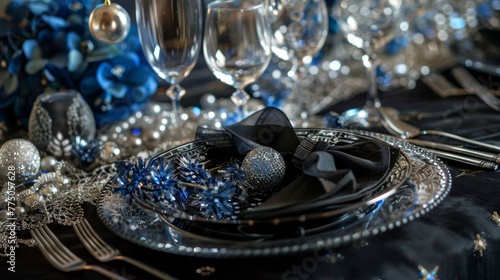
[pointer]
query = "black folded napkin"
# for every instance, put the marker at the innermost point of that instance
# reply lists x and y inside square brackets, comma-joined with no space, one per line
[326,176]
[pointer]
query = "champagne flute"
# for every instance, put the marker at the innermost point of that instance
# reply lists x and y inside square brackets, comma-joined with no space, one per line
[237,45]
[300,29]
[368,25]
[170,33]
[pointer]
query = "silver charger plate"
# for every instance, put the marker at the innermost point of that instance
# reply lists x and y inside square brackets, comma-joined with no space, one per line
[427,184]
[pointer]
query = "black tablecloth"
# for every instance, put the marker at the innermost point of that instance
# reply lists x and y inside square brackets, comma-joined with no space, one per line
[443,237]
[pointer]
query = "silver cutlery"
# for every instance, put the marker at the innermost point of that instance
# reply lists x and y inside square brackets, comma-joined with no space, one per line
[444,88]
[61,257]
[488,157]
[470,84]
[405,130]
[104,252]
[465,159]
[440,85]
[482,159]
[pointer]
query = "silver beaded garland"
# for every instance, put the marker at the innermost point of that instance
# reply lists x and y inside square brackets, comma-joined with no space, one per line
[33,201]
[20,158]
[263,167]
[48,190]
[3,215]
[4,201]
[20,212]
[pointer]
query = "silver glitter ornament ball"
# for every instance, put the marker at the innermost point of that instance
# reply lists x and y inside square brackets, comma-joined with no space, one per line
[263,167]
[19,161]
[109,23]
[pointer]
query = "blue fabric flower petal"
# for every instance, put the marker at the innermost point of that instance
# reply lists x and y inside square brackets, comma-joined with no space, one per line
[102,53]
[118,90]
[140,76]
[36,65]
[75,59]
[55,22]
[32,50]
[89,85]
[15,63]
[38,8]
[128,60]
[138,94]
[104,76]
[73,40]
[118,113]
[59,60]
[11,85]
[49,75]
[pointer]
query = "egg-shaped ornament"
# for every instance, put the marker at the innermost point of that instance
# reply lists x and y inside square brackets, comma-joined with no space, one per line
[109,23]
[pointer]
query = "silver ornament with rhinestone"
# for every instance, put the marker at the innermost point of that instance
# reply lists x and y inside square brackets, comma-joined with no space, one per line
[19,157]
[263,167]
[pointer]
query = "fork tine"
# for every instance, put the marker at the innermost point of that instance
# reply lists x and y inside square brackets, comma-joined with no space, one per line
[94,242]
[65,252]
[52,248]
[61,257]
[104,252]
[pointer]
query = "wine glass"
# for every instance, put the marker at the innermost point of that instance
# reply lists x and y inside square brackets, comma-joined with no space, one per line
[368,25]
[300,29]
[237,45]
[170,33]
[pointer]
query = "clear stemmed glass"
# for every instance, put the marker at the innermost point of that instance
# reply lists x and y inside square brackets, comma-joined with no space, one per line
[368,25]
[170,32]
[237,45]
[300,29]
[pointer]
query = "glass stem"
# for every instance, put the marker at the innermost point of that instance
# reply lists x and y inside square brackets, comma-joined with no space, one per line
[175,92]
[298,88]
[240,98]
[371,65]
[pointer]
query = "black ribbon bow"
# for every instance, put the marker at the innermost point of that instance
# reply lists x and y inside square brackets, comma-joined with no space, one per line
[332,176]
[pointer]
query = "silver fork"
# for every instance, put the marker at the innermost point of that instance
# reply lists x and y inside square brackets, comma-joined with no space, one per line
[444,88]
[470,84]
[61,257]
[104,252]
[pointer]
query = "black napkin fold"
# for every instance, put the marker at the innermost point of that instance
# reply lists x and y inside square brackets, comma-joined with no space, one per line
[328,176]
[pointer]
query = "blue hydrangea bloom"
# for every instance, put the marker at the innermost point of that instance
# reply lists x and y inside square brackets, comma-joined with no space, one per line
[45,46]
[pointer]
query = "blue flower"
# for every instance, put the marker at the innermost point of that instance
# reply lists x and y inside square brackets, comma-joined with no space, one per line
[163,177]
[132,176]
[150,179]
[193,171]
[217,201]
[8,76]
[46,46]
[117,87]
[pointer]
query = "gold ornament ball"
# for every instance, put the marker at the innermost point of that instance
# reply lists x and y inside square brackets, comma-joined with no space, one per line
[20,161]
[109,23]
